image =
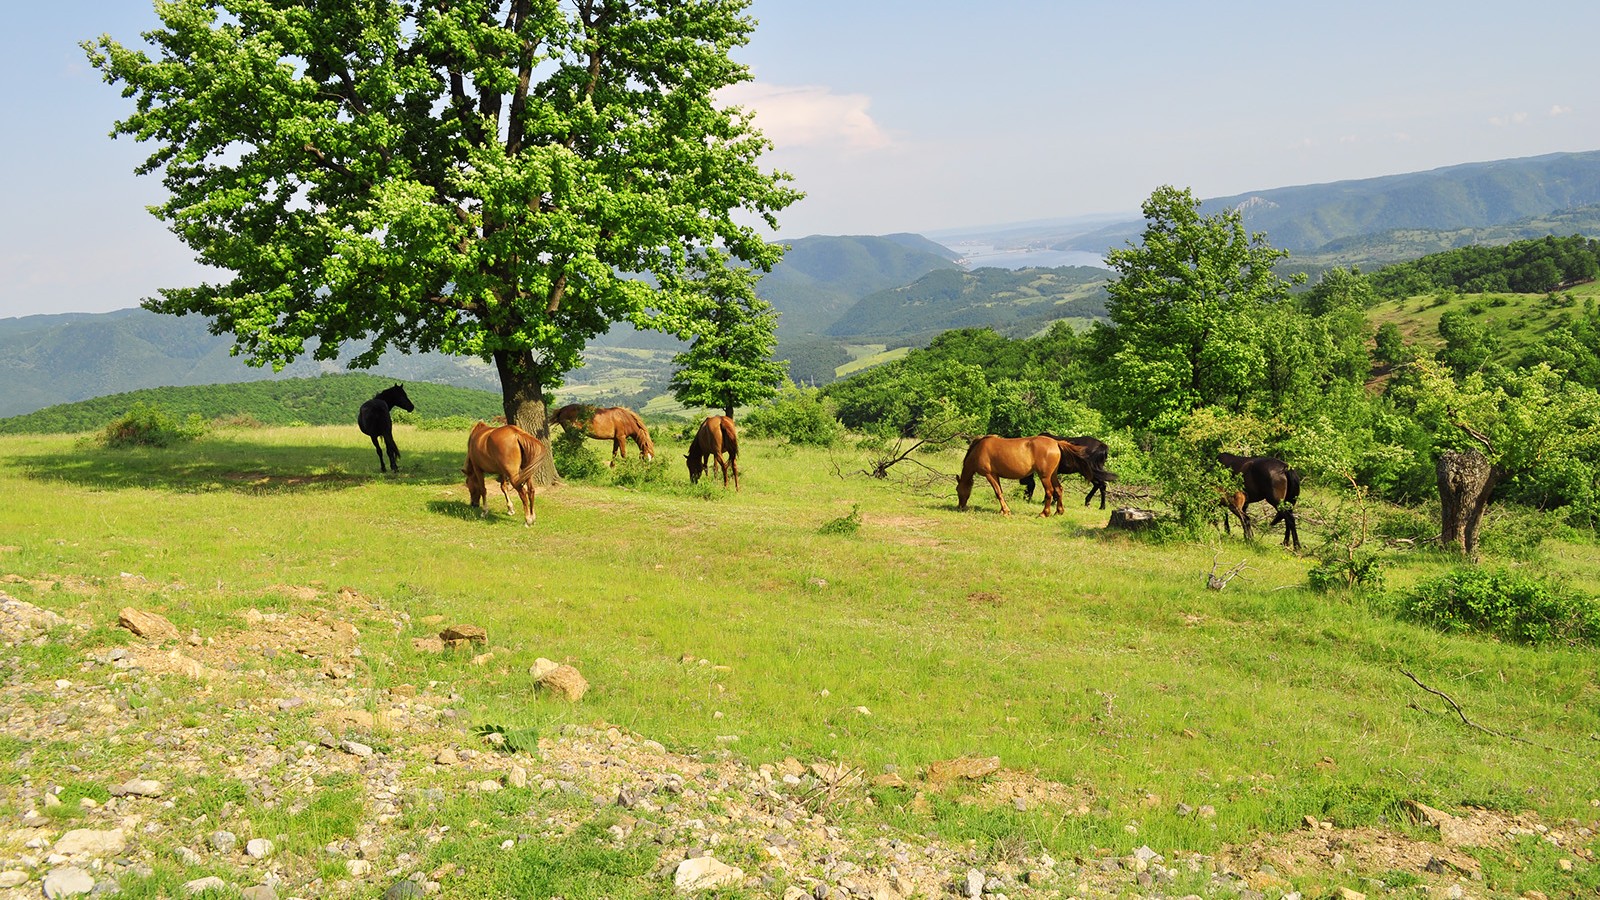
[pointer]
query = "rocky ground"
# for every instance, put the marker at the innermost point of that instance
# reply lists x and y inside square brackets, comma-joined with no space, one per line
[195,764]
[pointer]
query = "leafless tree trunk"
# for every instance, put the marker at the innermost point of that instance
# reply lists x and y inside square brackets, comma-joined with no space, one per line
[1466,479]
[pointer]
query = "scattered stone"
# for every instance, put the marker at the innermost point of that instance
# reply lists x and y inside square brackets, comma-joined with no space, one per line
[357,868]
[201,885]
[1208,812]
[972,885]
[704,873]
[188,857]
[404,889]
[13,878]
[70,881]
[517,777]
[447,757]
[148,625]
[259,892]
[356,748]
[223,841]
[90,842]
[566,682]
[457,635]
[1345,893]
[489,786]
[945,771]
[138,787]
[259,848]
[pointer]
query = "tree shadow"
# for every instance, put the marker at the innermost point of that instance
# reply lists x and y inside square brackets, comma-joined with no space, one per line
[235,467]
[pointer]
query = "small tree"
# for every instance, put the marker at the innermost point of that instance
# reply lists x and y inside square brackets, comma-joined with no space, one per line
[1186,330]
[729,361]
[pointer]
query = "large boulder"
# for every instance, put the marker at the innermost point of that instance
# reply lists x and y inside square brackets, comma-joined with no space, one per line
[148,625]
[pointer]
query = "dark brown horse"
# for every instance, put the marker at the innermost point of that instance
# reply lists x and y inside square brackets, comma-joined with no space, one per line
[1266,478]
[506,451]
[1095,452]
[613,423]
[996,457]
[716,435]
[375,422]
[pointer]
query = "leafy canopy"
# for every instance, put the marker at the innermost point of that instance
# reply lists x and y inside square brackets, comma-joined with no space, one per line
[483,177]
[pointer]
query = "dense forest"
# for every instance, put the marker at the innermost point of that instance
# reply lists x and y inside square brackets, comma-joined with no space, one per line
[1524,267]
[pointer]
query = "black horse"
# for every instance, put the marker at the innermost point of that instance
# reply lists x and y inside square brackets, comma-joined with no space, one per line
[1096,452]
[1265,478]
[375,422]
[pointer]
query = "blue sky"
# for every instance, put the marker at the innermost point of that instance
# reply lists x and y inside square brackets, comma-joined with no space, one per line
[921,115]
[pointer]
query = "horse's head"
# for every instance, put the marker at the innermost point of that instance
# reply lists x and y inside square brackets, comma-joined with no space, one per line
[647,447]
[697,467]
[396,396]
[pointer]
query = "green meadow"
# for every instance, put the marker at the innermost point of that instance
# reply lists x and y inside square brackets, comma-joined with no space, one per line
[1075,654]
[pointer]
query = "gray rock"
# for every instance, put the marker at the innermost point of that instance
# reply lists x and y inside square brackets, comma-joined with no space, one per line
[259,848]
[188,857]
[259,892]
[138,787]
[972,885]
[705,872]
[404,889]
[355,748]
[13,878]
[201,885]
[89,842]
[70,881]
[222,841]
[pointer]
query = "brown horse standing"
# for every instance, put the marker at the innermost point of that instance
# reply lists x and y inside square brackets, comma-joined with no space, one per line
[508,452]
[613,423]
[1265,478]
[996,457]
[716,434]
[1095,453]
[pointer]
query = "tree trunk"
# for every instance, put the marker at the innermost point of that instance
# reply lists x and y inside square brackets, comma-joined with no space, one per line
[1466,479]
[522,397]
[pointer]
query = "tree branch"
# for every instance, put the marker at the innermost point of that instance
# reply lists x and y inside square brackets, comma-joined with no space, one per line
[1474,433]
[1471,724]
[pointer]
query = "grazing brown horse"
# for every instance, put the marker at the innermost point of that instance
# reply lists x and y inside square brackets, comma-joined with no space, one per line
[613,423]
[716,435]
[996,457]
[1095,452]
[506,451]
[1265,478]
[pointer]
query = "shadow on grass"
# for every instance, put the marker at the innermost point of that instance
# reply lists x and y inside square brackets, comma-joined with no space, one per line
[466,512]
[240,468]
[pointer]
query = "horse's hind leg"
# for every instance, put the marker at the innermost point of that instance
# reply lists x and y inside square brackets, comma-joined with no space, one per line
[505,491]
[527,503]
[379,449]
[394,452]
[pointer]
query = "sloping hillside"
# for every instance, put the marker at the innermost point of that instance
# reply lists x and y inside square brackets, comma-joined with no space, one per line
[821,277]
[1012,301]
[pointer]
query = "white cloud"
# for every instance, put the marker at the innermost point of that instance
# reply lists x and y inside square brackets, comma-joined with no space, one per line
[1559,110]
[1520,118]
[810,116]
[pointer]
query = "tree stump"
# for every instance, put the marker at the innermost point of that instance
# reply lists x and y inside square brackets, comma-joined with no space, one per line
[1130,518]
[1466,479]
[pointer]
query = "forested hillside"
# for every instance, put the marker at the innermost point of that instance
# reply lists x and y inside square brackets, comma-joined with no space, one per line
[325,400]
[1008,300]
[822,276]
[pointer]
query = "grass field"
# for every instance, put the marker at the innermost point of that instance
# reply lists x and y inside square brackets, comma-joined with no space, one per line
[1076,655]
[1515,320]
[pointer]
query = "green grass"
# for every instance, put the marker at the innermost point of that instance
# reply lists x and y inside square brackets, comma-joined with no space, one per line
[1074,654]
[1515,320]
[870,355]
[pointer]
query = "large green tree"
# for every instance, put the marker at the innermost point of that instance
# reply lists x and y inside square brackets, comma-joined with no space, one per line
[729,361]
[1187,328]
[488,178]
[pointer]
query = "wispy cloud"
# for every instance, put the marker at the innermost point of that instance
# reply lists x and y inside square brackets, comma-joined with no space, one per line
[810,116]
[1520,118]
[1559,110]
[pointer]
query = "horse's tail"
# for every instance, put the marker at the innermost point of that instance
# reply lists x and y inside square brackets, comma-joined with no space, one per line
[1291,492]
[730,438]
[531,449]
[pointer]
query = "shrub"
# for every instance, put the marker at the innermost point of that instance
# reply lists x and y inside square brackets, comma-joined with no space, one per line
[574,458]
[799,415]
[445,423]
[635,472]
[844,525]
[151,426]
[1504,603]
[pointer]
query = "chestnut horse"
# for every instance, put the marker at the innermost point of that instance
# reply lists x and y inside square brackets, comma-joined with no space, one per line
[508,452]
[1265,478]
[1095,452]
[996,457]
[375,422]
[613,423]
[716,434]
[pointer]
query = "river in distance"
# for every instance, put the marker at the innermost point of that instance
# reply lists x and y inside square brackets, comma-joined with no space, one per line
[978,256]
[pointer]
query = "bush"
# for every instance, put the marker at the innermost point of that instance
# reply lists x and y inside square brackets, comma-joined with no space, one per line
[574,458]
[847,524]
[151,426]
[1504,603]
[444,423]
[635,472]
[799,415]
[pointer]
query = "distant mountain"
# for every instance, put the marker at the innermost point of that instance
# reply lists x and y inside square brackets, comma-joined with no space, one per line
[1012,301]
[1305,218]
[821,276]
[1401,245]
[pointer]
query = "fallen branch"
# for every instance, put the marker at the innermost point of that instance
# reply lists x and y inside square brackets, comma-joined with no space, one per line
[1471,724]
[1216,584]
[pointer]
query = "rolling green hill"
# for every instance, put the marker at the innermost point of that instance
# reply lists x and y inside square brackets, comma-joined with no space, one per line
[1012,301]
[1307,218]
[821,277]
[326,400]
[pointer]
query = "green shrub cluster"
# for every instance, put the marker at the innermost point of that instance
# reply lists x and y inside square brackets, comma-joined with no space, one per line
[574,458]
[151,426]
[442,423]
[798,415]
[1505,603]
